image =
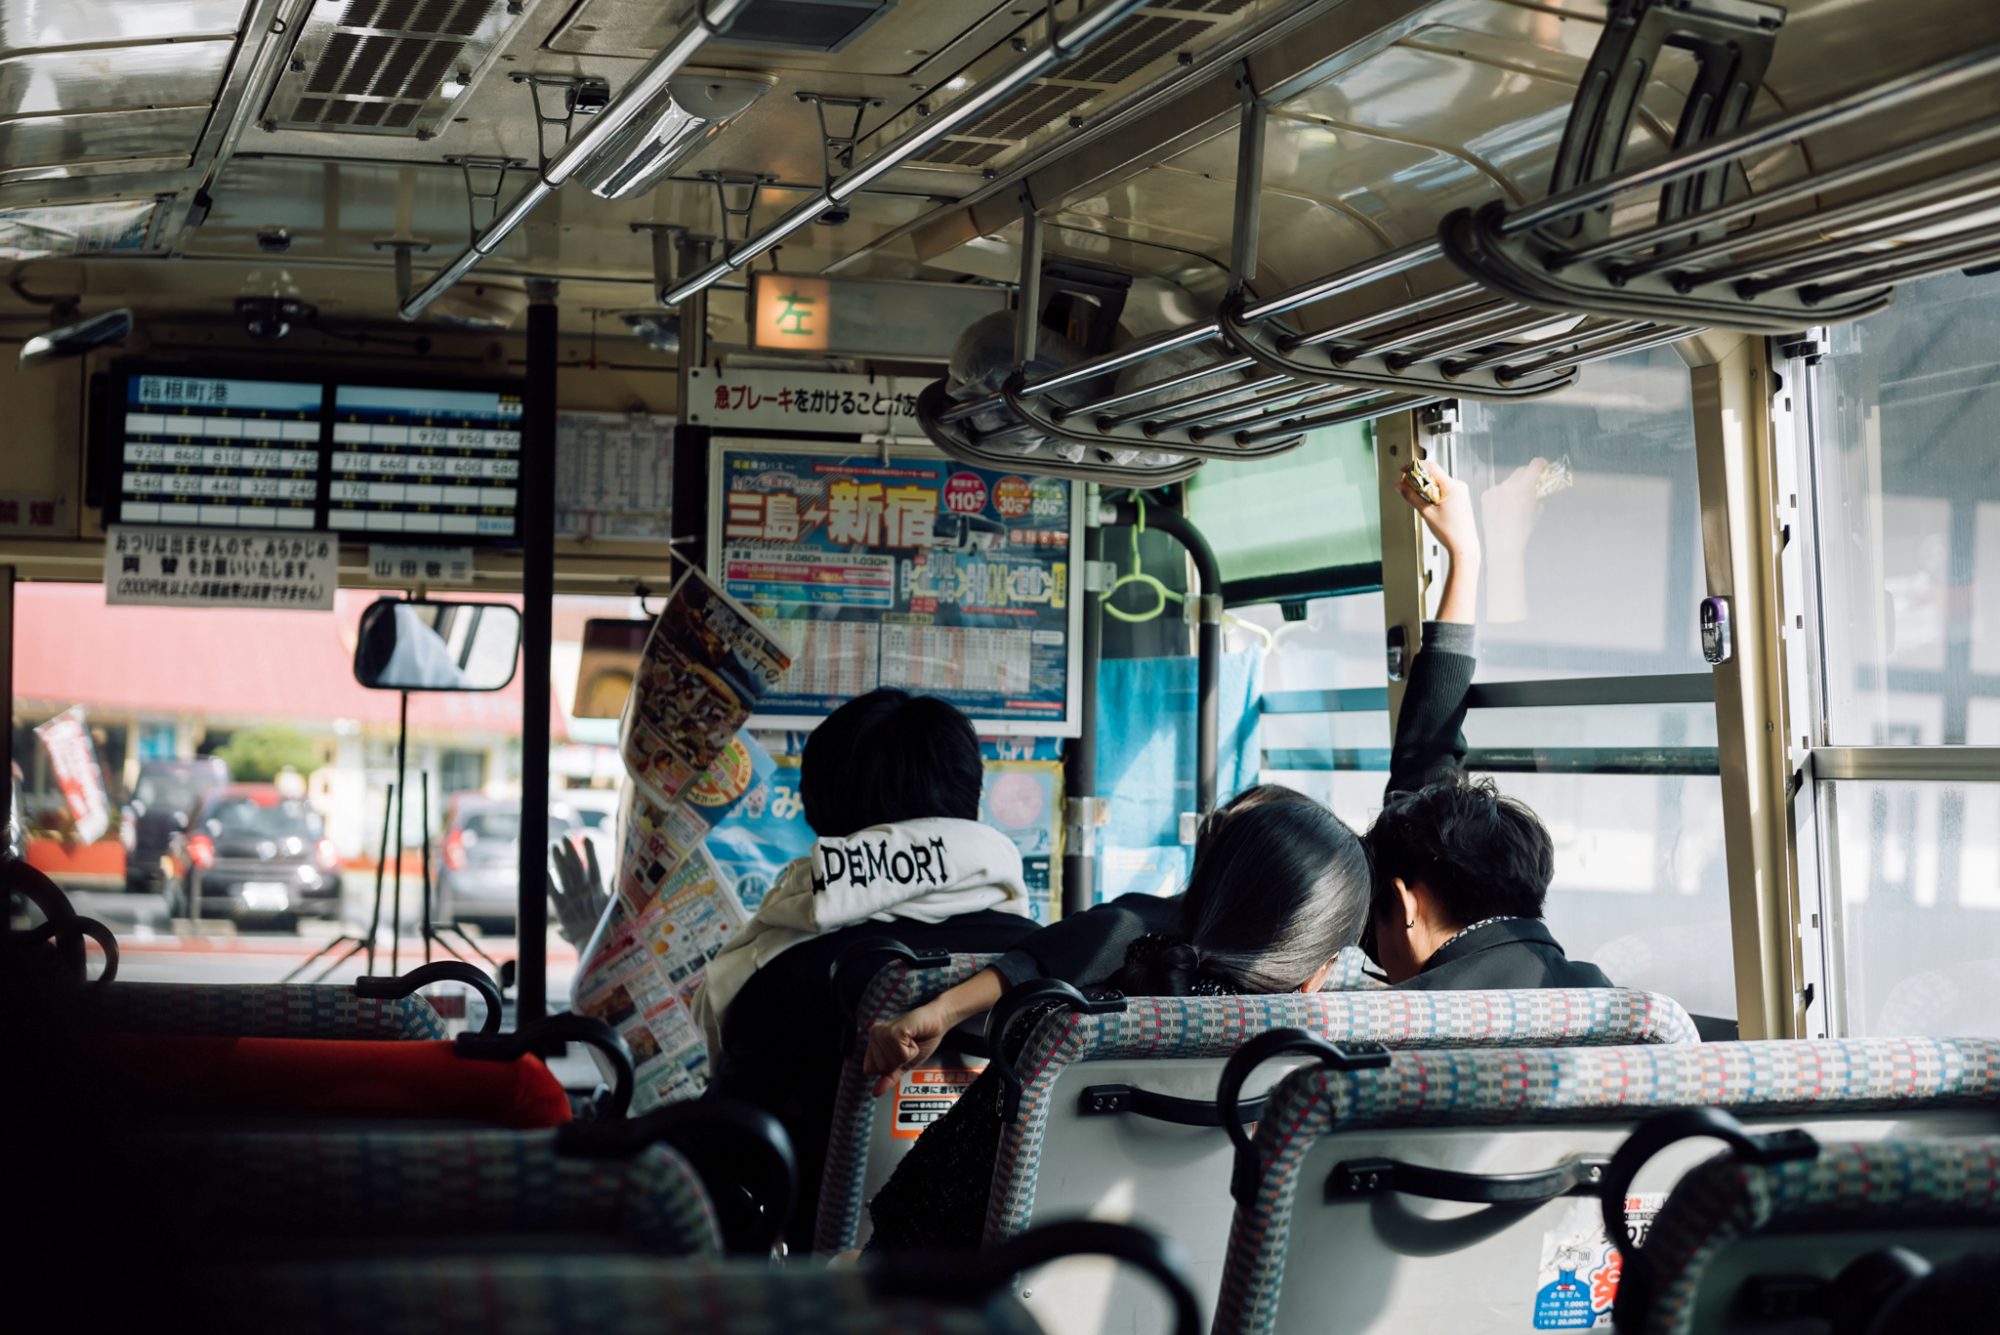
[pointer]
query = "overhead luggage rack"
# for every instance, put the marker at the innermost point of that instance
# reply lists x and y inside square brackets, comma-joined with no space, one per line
[1774,261]
[1508,302]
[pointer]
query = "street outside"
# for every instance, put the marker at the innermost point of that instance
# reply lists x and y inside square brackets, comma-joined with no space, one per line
[155,948]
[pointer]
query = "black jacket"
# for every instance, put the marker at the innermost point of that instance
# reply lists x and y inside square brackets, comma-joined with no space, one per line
[784,1039]
[1089,947]
[1509,953]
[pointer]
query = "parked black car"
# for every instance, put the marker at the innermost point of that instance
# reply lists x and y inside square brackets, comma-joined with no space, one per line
[251,851]
[162,802]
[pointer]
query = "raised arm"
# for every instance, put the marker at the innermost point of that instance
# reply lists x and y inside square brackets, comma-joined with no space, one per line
[1429,727]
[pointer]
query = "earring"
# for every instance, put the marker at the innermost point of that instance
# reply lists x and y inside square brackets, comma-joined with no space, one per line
[1411,924]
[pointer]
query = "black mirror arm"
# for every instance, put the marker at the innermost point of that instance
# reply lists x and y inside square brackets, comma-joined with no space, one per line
[546,1033]
[1276,1043]
[1018,1002]
[389,987]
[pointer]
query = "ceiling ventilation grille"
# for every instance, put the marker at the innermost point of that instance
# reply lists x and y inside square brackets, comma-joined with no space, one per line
[1096,78]
[387,66]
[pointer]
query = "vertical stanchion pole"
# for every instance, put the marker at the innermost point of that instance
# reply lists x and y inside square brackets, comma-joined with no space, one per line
[538,576]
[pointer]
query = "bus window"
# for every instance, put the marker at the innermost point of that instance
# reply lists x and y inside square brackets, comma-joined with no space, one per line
[1903,412]
[1593,556]
[1590,519]
[1338,755]
[218,734]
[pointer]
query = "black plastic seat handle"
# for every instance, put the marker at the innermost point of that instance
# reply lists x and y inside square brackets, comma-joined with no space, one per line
[1582,1176]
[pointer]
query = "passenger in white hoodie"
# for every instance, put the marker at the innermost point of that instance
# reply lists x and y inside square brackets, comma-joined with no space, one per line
[890,784]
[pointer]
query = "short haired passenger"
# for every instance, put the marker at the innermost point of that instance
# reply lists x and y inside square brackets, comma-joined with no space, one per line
[890,783]
[890,756]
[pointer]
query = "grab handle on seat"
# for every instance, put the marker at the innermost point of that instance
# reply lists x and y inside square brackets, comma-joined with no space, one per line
[975,1276]
[390,987]
[1023,999]
[546,1033]
[1228,1094]
[848,980]
[1581,1176]
[1113,1100]
[1656,1134]
[742,1154]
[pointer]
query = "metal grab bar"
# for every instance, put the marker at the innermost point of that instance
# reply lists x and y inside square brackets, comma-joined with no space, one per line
[1776,197]
[651,79]
[1946,74]
[1060,46]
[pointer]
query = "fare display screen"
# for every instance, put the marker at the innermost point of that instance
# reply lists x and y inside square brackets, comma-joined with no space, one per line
[220,453]
[425,462]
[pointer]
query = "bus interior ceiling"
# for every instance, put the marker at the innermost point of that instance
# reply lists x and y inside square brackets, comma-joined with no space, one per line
[179,158]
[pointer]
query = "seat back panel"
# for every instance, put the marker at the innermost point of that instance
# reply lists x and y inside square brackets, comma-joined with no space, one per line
[1376,1262]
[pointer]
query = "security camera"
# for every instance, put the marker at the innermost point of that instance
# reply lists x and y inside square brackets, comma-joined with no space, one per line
[271,318]
[274,240]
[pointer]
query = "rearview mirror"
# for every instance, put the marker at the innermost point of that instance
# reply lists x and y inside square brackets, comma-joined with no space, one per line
[607,665]
[432,646]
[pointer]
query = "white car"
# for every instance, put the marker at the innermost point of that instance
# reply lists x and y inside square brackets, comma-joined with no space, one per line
[597,809]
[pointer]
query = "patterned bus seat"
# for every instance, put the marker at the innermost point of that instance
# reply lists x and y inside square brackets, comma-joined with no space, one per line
[959,1294]
[866,1140]
[576,1295]
[398,1191]
[1356,1252]
[1739,1241]
[257,1010]
[1058,1159]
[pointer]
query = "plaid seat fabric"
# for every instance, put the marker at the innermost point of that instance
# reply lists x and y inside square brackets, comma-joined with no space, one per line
[401,1185]
[1876,1186]
[257,1010]
[1349,974]
[895,988]
[561,1295]
[1567,1085]
[1212,1027]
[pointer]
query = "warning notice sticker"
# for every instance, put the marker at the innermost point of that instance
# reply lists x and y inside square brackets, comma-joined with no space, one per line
[926,1094]
[1578,1280]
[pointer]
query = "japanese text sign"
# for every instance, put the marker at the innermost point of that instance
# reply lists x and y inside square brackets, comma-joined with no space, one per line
[916,572]
[174,567]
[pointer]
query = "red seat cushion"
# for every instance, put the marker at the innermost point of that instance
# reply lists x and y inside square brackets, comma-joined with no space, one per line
[329,1078]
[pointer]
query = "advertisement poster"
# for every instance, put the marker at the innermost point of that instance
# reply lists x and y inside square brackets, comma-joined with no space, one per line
[704,665]
[72,756]
[1577,1282]
[913,572]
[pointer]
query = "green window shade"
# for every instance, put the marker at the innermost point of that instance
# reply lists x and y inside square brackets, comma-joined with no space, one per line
[1312,508]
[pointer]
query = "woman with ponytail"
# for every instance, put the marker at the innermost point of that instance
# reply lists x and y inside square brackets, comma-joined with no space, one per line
[1279,888]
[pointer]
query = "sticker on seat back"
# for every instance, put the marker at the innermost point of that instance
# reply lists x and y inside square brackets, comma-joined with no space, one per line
[1578,1279]
[926,1093]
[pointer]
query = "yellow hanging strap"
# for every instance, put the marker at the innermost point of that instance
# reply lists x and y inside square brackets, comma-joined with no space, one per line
[1137,575]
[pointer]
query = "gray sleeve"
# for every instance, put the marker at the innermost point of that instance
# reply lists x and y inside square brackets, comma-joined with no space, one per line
[1017,967]
[1451,637]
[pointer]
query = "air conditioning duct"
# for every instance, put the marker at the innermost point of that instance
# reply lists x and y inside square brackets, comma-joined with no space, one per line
[670,130]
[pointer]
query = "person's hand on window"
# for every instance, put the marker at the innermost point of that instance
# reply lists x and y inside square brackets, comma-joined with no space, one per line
[1450,518]
[576,889]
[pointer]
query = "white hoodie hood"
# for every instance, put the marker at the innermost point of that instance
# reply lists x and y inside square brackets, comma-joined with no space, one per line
[920,870]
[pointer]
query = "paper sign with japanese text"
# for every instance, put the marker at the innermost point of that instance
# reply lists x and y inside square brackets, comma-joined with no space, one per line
[812,401]
[190,567]
[912,571]
[392,564]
